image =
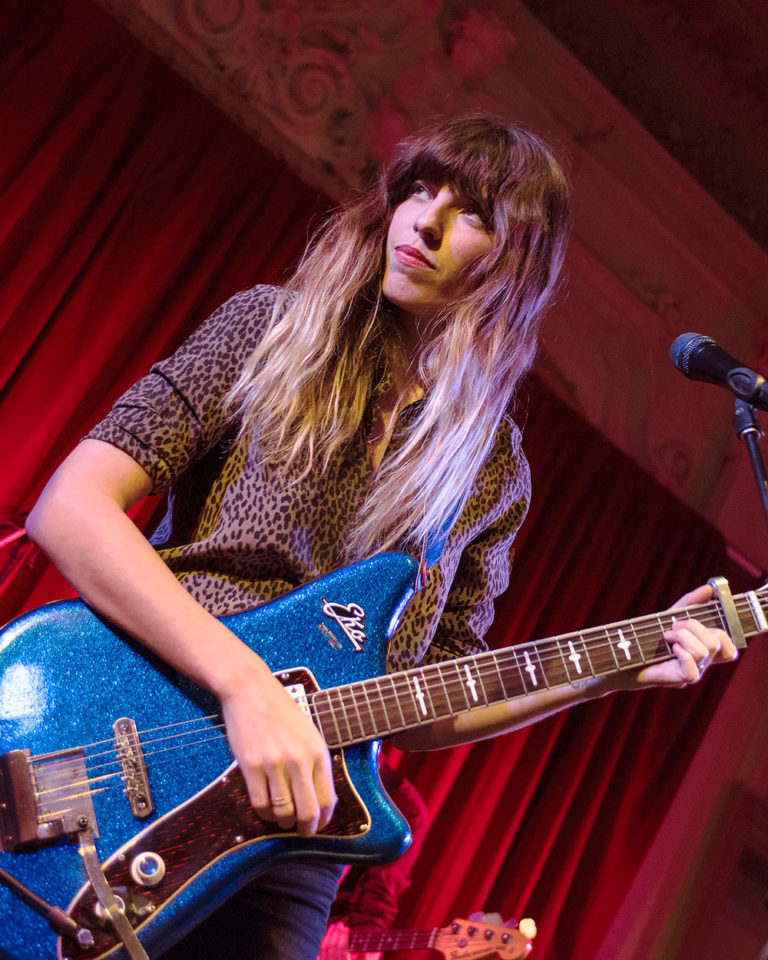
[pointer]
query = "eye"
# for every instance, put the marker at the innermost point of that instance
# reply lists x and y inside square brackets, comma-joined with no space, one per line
[420,189]
[473,211]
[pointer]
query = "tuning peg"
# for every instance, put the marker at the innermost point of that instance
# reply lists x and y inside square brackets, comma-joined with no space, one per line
[492,919]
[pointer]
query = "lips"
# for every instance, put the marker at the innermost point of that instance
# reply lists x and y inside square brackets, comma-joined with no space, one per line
[411,257]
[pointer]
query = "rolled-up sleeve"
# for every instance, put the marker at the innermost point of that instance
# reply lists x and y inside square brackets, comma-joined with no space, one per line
[174,414]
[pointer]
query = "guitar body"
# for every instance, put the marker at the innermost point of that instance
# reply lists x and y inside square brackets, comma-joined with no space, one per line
[100,739]
[66,677]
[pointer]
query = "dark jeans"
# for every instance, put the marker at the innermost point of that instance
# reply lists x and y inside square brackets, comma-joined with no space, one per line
[281,915]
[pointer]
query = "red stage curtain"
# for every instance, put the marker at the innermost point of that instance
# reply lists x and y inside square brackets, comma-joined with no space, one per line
[553,821]
[129,209]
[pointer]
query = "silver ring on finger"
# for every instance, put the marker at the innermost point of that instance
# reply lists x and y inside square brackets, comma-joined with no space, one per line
[703,664]
[282,801]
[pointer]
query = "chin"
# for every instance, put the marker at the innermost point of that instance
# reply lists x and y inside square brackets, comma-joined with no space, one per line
[409,301]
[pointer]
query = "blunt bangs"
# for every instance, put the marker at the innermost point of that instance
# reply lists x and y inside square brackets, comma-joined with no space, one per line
[499,167]
[470,156]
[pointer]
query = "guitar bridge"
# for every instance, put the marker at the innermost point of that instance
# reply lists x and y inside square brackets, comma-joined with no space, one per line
[131,758]
[43,798]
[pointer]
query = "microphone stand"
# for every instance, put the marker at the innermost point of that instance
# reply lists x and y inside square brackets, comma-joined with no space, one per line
[748,430]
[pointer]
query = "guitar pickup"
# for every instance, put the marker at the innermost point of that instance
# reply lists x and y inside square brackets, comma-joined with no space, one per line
[43,797]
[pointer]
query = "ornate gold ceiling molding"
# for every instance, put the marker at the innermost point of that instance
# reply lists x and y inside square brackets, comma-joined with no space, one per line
[330,86]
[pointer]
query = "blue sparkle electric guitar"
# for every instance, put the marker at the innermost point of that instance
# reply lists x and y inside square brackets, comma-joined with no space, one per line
[123,819]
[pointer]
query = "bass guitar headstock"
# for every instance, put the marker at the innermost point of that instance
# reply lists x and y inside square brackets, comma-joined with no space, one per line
[478,939]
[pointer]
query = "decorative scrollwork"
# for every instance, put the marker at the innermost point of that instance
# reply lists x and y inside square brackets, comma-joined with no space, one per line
[211,17]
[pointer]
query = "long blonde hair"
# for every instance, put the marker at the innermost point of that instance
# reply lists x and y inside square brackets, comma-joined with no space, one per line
[306,387]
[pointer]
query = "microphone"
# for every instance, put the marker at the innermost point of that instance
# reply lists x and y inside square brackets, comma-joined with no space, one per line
[700,358]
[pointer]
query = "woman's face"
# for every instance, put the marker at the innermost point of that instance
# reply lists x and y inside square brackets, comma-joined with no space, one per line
[433,235]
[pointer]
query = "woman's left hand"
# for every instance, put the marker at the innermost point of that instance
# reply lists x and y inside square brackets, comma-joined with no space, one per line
[695,648]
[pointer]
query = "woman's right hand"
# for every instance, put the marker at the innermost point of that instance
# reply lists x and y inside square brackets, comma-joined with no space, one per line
[282,756]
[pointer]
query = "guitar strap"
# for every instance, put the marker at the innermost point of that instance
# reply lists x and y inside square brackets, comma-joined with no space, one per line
[112,908]
[433,546]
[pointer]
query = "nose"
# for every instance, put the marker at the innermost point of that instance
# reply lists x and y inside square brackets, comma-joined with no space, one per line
[430,222]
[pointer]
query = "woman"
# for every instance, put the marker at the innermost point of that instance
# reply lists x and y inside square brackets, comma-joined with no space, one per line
[362,408]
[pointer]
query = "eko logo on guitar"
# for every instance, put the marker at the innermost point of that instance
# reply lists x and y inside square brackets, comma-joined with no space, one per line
[350,617]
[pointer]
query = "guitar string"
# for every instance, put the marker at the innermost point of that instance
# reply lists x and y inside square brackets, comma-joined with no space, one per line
[110,741]
[655,620]
[450,684]
[510,654]
[153,763]
[491,661]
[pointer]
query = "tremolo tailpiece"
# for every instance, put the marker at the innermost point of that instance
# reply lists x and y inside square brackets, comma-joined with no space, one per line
[43,798]
[48,797]
[114,909]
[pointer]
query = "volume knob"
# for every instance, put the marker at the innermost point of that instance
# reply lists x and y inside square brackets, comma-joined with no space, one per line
[148,869]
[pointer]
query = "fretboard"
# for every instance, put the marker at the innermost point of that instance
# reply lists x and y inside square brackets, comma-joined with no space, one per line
[382,706]
[361,941]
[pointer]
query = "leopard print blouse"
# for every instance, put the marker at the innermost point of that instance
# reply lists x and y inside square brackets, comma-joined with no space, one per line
[237,533]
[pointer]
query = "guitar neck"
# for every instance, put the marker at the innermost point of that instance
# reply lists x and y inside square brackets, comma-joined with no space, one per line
[460,940]
[362,941]
[379,707]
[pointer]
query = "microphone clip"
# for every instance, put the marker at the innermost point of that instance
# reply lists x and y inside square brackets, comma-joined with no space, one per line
[748,386]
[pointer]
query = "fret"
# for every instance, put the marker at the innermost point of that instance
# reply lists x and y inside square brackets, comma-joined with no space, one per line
[588,666]
[638,643]
[542,668]
[462,690]
[514,654]
[386,721]
[660,646]
[533,667]
[321,700]
[502,685]
[573,660]
[396,698]
[471,682]
[373,723]
[437,691]
[720,619]
[340,712]
[347,696]
[531,671]
[427,686]
[449,711]
[491,690]
[624,645]
[368,721]
[565,672]
[418,696]
[612,644]
[576,659]
[405,701]
[570,665]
